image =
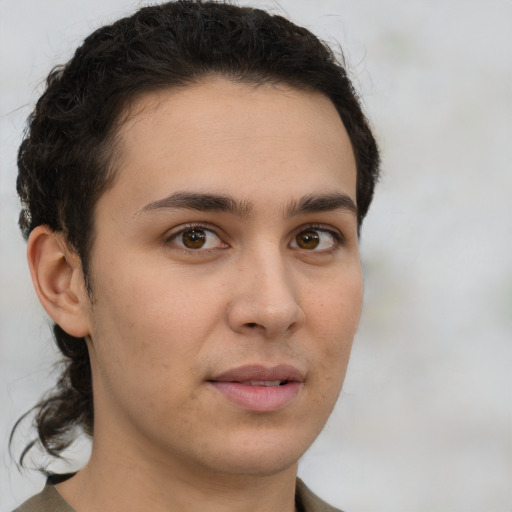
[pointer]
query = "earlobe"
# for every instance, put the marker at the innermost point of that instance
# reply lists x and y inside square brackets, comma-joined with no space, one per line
[58,280]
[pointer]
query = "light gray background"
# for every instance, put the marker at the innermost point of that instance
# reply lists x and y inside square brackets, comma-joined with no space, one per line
[425,419]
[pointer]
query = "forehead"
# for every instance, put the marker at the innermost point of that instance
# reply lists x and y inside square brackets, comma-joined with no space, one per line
[234,136]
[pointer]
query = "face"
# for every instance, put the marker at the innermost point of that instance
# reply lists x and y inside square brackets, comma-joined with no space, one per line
[226,282]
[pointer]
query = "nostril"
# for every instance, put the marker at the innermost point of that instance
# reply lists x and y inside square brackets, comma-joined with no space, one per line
[252,325]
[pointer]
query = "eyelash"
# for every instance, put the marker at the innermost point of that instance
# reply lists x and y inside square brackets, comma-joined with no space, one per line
[337,236]
[191,227]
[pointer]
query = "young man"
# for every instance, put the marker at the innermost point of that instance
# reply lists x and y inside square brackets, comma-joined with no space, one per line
[193,184]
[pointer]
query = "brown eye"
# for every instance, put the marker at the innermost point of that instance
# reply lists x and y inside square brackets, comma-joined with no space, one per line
[317,239]
[197,238]
[307,239]
[193,238]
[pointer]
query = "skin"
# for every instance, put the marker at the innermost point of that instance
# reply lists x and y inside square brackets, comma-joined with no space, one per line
[163,318]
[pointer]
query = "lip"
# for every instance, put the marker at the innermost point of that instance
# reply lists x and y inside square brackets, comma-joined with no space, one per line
[240,386]
[260,372]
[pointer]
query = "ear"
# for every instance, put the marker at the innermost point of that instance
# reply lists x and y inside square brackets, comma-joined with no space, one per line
[58,280]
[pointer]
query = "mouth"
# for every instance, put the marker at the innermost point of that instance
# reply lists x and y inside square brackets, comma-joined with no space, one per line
[266,383]
[258,388]
[259,375]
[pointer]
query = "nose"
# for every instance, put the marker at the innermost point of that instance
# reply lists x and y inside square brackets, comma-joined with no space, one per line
[265,298]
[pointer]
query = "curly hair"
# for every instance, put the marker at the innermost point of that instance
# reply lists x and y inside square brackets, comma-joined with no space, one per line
[66,158]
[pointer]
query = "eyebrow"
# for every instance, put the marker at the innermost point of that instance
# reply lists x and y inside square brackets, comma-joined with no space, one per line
[199,201]
[312,203]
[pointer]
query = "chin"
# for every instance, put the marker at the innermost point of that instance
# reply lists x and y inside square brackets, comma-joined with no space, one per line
[259,453]
[255,465]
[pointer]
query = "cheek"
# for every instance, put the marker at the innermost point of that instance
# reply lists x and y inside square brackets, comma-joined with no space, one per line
[154,296]
[146,342]
[335,308]
[148,318]
[334,318]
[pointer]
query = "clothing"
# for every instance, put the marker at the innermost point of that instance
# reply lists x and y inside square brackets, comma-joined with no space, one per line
[307,501]
[49,500]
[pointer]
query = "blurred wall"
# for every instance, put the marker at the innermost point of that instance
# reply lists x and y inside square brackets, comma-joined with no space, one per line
[425,419]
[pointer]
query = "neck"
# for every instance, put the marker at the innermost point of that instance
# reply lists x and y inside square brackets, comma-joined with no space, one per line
[126,484]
